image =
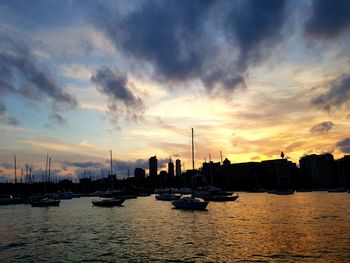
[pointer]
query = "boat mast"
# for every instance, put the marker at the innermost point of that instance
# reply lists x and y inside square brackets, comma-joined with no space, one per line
[192,152]
[49,168]
[110,153]
[14,157]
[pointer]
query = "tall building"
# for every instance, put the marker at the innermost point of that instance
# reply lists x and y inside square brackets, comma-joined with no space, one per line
[170,168]
[178,167]
[153,166]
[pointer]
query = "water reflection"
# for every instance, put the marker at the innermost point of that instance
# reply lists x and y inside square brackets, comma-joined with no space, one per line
[302,227]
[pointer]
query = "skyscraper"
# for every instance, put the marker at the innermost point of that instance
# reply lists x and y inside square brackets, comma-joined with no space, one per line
[153,166]
[178,167]
[170,168]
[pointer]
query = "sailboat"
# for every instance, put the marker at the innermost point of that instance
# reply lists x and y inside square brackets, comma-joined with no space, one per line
[45,201]
[109,202]
[190,202]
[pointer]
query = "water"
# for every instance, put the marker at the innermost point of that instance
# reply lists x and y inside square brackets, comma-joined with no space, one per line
[304,227]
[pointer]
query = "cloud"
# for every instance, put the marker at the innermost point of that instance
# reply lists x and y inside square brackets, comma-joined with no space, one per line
[7,165]
[257,27]
[337,94]
[329,19]
[187,40]
[89,164]
[57,119]
[20,75]
[322,127]
[5,118]
[115,85]
[344,145]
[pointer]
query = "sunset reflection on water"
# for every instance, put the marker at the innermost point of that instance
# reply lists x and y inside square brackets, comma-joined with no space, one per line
[304,227]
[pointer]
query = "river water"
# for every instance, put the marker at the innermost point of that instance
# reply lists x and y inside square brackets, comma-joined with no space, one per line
[258,227]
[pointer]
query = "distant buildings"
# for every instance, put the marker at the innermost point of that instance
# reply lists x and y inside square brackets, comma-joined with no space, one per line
[153,166]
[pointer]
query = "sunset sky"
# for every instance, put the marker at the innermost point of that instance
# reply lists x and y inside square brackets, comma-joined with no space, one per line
[253,78]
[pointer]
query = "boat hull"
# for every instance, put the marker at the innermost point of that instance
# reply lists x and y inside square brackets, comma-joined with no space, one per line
[45,203]
[108,203]
[190,206]
[220,198]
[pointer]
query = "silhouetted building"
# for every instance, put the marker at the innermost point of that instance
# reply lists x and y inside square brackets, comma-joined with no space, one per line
[241,176]
[278,173]
[139,174]
[153,166]
[343,171]
[178,167]
[211,173]
[318,170]
[226,162]
[170,168]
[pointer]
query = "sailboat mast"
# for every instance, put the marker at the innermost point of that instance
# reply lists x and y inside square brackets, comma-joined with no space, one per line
[14,157]
[47,161]
[192,152]
[49,167]
[110,153]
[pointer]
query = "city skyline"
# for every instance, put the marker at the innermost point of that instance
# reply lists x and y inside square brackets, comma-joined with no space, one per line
[80,78]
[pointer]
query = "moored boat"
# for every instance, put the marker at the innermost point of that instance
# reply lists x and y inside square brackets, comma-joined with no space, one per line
[190,203]
[108,202]
[45,202]
[221,198]
[167,197]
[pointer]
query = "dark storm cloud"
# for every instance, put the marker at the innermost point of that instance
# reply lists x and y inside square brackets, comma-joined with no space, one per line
[256,26]
[322,127]
[337,94]
[183,40]
[20,75]
[329,18]
[344,145]
[122,101]
[84,164]
[115,85]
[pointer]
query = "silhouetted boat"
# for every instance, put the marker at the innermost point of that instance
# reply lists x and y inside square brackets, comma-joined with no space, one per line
[10,200]
[221,198]
[190,203]
[211,193]
[284,192]
[45,202]
[337,190]
[65,195]
[167,197]
[108,202]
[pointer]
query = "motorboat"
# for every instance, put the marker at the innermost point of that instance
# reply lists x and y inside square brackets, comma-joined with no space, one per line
[108,202]
[167,196]
[190,203]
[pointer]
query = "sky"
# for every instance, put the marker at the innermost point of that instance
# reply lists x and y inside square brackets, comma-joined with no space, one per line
[253,78]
